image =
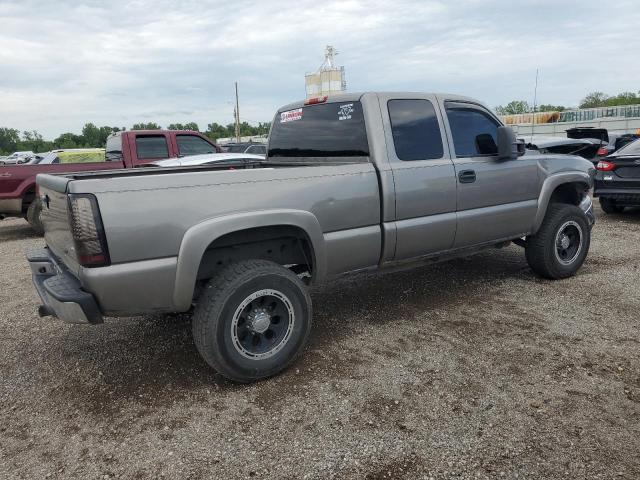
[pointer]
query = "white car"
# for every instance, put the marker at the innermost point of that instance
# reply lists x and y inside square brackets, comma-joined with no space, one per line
[206,159]
[17,157]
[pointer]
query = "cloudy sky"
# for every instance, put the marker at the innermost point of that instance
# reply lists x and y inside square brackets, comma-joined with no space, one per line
[117,63]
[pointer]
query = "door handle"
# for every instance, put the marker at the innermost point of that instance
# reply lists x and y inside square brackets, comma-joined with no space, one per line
[467,176]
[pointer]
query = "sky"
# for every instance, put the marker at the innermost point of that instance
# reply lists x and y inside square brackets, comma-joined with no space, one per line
[116,63]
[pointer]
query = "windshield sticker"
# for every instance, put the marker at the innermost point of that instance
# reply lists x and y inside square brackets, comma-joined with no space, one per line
[291,115]
[345,111]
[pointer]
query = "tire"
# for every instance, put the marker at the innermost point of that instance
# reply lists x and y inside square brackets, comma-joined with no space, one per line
[225,327]
[33,216]
[608,206]
[559,247]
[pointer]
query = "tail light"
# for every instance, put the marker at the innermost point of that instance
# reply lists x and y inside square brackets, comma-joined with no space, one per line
[605,166]
[602,152]
[87,230]
[314,100]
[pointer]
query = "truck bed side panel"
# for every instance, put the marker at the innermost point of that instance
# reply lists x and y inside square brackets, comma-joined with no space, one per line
[146,216]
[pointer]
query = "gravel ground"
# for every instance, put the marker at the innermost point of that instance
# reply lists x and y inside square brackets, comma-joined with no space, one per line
[473,368]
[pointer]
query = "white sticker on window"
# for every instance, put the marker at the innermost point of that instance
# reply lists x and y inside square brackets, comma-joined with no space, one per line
[291,115]
[345,111]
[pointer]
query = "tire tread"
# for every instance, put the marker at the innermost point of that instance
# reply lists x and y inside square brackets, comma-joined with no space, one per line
[539,257]
[212,301]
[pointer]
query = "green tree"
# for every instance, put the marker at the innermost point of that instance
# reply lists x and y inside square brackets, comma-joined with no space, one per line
[624,98]
[33,141]
[513,107]
[68,140]
[215,131]
[9,138]
[146,126]
[594,99]
[550,108]
[187,126]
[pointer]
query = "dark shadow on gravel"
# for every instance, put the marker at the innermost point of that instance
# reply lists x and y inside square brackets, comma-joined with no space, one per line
[16,231]
[151,362]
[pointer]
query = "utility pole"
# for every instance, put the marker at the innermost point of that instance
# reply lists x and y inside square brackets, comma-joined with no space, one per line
[237,113]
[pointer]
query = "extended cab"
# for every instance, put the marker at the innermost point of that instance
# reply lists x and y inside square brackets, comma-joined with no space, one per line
[351,182]
[123,150]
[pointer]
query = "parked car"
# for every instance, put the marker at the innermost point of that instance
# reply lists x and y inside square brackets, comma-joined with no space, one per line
[17,158]
[351,182]
[609,142]
[123,150]
[616,142]
[254,148]
[209,159]
[584,147]
[617,180]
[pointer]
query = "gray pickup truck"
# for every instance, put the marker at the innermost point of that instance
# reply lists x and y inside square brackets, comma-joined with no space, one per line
[351,182]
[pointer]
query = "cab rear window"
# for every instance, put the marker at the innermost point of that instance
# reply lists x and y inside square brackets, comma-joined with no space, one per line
[325,130]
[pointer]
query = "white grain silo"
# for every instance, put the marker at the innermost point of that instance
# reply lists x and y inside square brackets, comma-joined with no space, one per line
[328,79]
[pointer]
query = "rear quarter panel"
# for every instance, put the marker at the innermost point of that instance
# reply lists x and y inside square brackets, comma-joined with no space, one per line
[147,216]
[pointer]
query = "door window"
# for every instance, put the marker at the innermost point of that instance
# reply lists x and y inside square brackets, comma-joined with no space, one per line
[474,132]
[257,150]
[416,134]
[193,145]
[152,146]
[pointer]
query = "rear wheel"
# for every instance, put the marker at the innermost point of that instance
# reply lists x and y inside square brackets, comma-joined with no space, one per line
[561,244]
[609,206]
[252,320]
[33,216]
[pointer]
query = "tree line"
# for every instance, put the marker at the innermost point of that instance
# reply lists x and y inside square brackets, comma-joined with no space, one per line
[592,100]
[92,136]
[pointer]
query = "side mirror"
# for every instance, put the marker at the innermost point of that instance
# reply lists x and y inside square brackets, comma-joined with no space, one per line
[509,148]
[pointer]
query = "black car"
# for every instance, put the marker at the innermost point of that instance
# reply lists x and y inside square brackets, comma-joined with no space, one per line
[608,142]
[617,181]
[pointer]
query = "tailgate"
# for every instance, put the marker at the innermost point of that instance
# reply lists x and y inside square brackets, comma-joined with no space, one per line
[55,219]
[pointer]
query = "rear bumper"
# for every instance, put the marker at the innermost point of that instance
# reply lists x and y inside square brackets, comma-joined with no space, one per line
[621,196]
[60,292]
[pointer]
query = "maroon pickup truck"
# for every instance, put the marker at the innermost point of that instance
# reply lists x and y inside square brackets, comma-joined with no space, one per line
[123,150]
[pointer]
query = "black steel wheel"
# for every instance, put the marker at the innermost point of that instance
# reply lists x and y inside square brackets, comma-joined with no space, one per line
[262,324]
[559,247]
[252,320]
[568,242]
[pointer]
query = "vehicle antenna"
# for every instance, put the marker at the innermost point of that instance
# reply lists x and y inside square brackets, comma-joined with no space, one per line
[535,98]
[237,113]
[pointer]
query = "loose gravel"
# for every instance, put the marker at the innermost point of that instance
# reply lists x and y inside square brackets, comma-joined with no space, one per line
[474,368]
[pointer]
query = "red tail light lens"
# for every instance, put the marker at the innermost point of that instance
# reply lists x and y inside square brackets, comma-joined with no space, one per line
[87,231]
[602,152]
[314,100]
[605,166]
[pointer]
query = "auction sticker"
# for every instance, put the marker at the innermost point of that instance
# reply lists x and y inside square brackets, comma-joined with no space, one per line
[291,115]
[345,111]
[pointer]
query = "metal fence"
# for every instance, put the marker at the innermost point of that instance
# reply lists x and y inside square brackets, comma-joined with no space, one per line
[577,115]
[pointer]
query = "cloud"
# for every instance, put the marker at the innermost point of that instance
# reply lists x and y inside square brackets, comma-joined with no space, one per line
[116,63]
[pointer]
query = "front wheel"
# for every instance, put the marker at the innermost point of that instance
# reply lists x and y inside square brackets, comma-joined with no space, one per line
[252,320]
[559,247]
